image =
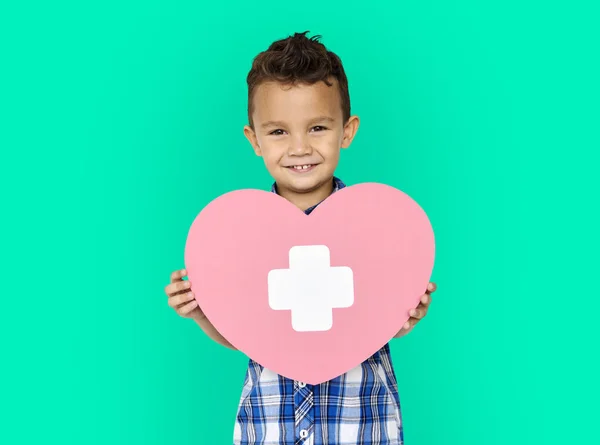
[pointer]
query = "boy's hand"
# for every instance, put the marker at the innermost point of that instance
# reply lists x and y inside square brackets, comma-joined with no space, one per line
[181,297]
[419,312]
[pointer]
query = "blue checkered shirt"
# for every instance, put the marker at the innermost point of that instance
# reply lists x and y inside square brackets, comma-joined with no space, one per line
[361,407]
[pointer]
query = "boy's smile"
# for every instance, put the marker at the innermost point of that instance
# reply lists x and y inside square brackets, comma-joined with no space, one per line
[302,168]
[299,131]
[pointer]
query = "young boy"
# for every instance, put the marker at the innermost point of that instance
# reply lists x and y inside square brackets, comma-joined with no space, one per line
[299,119]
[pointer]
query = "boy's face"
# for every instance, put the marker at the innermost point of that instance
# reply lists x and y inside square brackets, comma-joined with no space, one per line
[299,131]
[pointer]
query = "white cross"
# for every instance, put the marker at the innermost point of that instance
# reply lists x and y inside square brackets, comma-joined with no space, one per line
[311,288]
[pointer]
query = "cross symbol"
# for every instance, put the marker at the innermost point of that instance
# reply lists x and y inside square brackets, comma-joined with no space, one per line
[311,288]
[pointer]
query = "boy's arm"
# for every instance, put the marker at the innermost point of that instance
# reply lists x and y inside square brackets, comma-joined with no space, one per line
[181,298]
[211,331]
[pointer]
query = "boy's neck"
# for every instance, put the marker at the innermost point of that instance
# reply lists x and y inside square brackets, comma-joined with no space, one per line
[307,200]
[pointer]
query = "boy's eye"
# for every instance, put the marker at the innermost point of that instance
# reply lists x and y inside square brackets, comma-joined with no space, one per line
[280,132]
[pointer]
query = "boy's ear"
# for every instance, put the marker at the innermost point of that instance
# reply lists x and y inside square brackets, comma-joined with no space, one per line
[350,130]
[251,136]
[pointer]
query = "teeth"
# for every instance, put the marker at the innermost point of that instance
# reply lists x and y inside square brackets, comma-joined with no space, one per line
[301,167]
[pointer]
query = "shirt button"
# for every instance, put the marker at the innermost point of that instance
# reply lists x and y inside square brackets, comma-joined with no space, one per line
[301,384]
[303,434]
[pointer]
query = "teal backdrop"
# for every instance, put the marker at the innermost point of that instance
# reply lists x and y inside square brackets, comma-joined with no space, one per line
[121,120]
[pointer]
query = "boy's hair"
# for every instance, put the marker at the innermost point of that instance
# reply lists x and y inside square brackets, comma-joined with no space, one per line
[298,59]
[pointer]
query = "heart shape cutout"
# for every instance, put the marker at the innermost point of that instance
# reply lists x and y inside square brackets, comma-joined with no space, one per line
[310,296]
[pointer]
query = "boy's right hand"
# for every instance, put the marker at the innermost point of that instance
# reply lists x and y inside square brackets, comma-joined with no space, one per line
[181,297]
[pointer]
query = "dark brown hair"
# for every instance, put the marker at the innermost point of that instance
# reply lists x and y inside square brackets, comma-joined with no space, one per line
[298,59]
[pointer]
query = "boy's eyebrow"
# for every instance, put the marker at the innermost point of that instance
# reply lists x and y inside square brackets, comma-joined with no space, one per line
[322,119]
[273,124]
[312,121]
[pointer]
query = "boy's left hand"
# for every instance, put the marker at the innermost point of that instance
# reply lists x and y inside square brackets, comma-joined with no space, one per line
[419,312]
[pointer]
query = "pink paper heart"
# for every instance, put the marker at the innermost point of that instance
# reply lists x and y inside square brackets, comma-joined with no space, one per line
[380,242]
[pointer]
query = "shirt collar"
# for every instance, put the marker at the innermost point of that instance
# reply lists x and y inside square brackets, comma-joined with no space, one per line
[337,185]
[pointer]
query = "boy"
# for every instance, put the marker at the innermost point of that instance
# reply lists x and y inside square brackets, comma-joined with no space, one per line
[299,119]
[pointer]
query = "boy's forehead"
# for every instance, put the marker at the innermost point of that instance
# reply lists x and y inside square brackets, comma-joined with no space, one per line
[276,101]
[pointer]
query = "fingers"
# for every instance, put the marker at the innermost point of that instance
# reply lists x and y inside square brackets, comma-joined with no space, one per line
[178,300]
[178,287]
[178,275]
[184,304]
[180,296]
[187,308]
[418,313]
[410,323]
[426,297]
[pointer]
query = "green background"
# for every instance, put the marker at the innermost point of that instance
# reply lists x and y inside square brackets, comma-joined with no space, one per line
[121,120]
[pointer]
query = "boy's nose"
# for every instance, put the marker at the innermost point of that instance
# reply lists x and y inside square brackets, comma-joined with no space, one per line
[300,146]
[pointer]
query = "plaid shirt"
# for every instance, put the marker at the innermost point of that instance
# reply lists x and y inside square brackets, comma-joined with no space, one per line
[361,407]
